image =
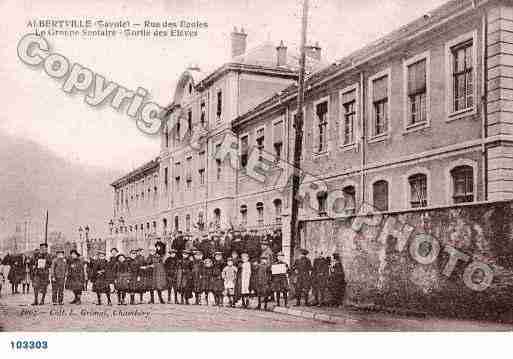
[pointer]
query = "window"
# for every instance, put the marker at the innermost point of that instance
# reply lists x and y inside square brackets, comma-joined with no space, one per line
[417,92]
[188,176]
[462,76]
[278,140]
[260,213]
[322,199]
[219,105]
[380,105]
[164,226]
[219,163]
[380,195]
[189,121]
[321,112]
[188,223]
[177,131]
[177,176]
[177,224]
[203,115]
[166,180]
[154,227]
[244,215]
[349,119]
[463,184]
[260,142]
[418,190]
[244,151]
[166,134]
[349,199]
[217,217]
[201,221]
[277,210]
[201,172]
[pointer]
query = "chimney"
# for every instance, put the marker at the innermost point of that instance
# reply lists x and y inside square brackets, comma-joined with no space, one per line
[313,51]
[238,41]
[281,54]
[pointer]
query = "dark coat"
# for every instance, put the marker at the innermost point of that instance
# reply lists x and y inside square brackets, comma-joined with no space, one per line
[17,269]
[111,270]
[99,276]
[171,268]
[184,277]
[136,282]
[320,273]
[337,279]
[40,265]
[159,272]
[75,278]
[198,281]
[303,268]
[217,282]
[123,275]
[262,279]
[146,272]
[178,244]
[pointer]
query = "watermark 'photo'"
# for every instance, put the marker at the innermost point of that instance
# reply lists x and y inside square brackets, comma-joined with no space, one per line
[255,166]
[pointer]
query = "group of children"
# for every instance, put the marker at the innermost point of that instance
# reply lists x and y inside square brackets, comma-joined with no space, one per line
[189,277]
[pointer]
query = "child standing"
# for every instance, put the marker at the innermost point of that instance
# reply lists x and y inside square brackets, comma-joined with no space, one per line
[244,280]
[279,279]
[263,281]
[229,275]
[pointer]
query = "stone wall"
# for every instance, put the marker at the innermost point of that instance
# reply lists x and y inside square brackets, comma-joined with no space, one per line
[380,269]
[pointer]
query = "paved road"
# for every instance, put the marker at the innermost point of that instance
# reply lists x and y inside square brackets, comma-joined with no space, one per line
[16,314]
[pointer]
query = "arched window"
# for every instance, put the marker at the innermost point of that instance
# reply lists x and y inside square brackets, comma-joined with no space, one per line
[260,213]
[418,190]
[164,226]
[188,223]
[244,215]
[201,221]
[154,225]
[322,199]
[349,198]
[462,184]
[277,209]
[177,224]
[217,217]
[380,195]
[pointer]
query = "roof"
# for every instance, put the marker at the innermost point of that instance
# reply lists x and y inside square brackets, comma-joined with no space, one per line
[386,43]
[136,173]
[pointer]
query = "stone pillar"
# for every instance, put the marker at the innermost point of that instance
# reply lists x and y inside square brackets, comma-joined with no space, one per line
[500,102]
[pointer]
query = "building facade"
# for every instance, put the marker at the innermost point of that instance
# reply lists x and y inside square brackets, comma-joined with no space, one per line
[420,118]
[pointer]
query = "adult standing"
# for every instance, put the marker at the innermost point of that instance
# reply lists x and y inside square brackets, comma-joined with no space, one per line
[302,267]
[320,275]
[122,278]
[159,272]
[111,269]
[337,281]
[41,263]
[171,267]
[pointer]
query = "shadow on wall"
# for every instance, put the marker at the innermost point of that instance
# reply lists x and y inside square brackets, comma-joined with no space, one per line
[387,265]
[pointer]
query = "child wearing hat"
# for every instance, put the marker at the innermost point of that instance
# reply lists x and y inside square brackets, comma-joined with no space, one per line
[76,275]
[217,278]
[171,267]
[229,276]
[197,276]
[208,279]
[279,279]
[184,278]
[122,278]
[263,281]
[99,278]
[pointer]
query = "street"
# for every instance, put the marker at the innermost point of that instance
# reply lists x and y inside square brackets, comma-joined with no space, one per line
[18,315]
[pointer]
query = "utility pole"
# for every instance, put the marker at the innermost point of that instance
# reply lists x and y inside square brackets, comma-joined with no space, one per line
[46,228]
[298,142]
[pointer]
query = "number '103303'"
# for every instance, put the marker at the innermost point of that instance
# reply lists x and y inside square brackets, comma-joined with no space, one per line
[29,344]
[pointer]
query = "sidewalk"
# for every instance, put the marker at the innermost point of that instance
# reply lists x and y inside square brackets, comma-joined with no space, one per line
[374,318]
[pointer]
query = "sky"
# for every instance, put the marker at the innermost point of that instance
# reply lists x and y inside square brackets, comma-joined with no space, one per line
[35,107]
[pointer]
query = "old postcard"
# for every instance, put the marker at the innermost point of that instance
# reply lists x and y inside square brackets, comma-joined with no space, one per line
[284,166]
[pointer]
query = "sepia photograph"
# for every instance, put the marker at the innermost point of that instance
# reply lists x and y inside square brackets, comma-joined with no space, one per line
[255,166]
